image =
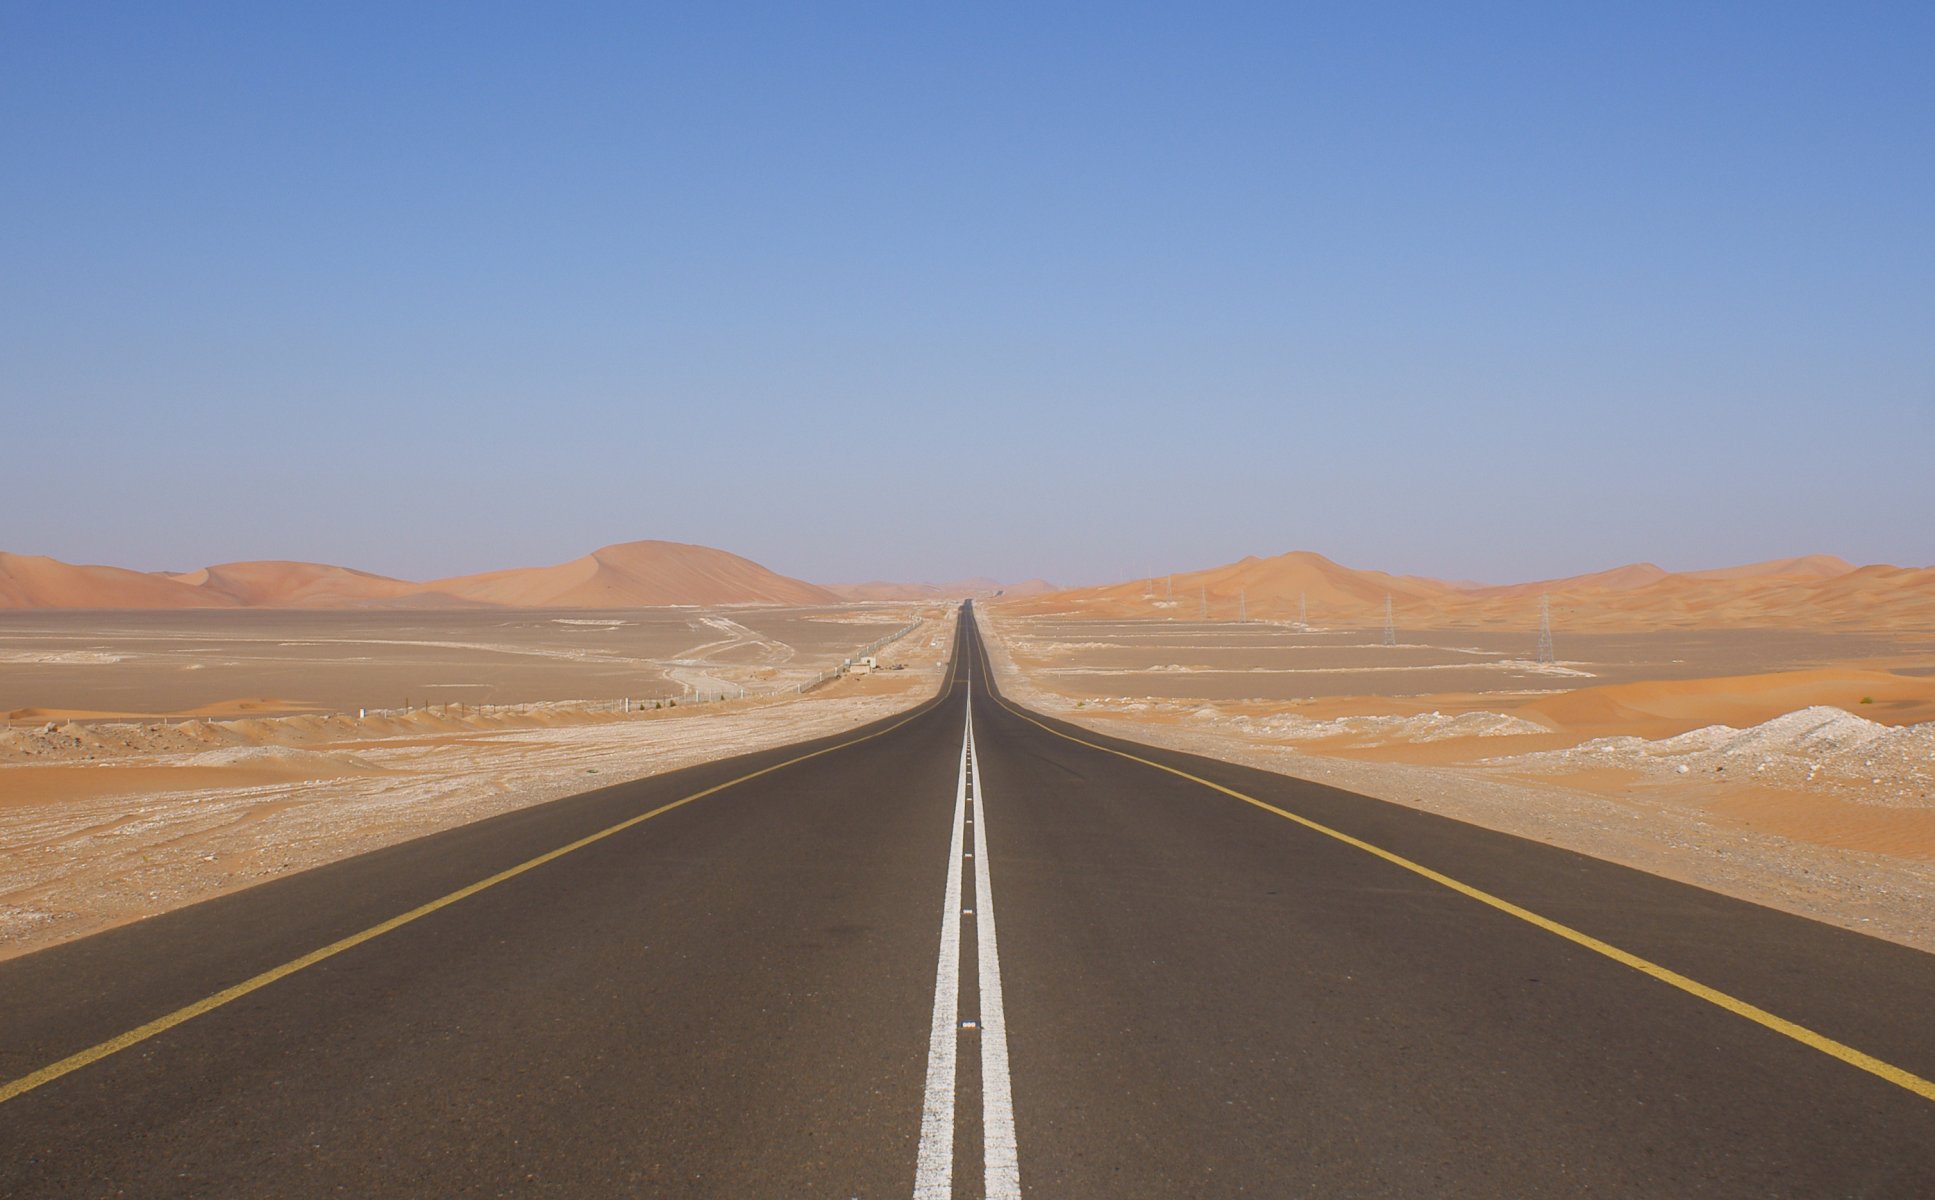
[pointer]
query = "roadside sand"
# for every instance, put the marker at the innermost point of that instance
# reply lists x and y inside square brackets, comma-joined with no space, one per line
[1770,787]
[108,823]
[230,662]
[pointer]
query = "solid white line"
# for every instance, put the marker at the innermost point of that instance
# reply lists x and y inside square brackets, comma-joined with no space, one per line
[1001,1158]
[934,1169]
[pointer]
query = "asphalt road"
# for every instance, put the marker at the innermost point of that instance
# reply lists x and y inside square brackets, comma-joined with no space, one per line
[795,986]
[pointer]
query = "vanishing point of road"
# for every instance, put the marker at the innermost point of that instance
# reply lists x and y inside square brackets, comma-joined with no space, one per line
[782,975]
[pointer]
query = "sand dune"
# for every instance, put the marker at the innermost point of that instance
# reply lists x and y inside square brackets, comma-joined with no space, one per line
[638,573]
[1618,579]
[1264,583]
[297,585]
[879,589]
[30,581]
[629,575]
[1809,592]
[1664,708]
[1815,566]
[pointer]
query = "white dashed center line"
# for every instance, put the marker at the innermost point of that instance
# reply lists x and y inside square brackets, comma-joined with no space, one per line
[1001,1165]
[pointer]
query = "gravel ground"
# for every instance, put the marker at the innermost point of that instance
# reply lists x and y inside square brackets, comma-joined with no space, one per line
[1660,828]
[266,797]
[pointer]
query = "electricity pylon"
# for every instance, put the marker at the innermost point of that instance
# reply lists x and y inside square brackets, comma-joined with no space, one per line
[1390,623]
[1545,631]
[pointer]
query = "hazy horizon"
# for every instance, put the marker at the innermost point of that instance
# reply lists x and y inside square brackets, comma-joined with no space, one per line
[960,577]
[1087,295]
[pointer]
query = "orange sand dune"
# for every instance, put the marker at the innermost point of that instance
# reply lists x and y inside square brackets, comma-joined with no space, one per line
[1266,583]
[1811,592]
[1665,708]
[1619,579]
[637,573]
[879,589]
[1818,566]
[30,581]
[633,574]
[1635,576]
[297,585]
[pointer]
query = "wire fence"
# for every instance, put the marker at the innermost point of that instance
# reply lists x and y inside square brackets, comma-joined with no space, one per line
[846,664]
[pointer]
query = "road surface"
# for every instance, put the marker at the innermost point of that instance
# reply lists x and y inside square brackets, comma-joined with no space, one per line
[784,975]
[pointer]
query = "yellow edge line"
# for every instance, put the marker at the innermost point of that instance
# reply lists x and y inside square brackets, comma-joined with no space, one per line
[162,1024]
[1733,1004]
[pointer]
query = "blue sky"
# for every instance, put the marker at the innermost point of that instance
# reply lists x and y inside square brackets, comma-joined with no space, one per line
[1091,292]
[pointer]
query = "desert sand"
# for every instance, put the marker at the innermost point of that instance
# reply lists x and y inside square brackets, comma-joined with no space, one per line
[226,662]
[106,821]
[1767,730]
[1791,767]
[1813,592]
[620,576]
[979,588]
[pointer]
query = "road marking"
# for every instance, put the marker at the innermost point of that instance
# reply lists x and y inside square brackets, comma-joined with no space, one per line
[162,1024]
[934,1164]
[1000,1160]
[1879,1068]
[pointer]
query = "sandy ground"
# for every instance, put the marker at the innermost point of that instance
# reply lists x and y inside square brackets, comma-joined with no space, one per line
[1275,660]
[252,661]
[1810,789]
[105,822]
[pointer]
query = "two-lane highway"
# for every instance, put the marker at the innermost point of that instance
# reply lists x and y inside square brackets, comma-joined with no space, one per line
[781,976]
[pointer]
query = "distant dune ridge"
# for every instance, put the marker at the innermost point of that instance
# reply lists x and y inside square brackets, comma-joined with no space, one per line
[1803,592]
[29,581]
[980,586]
[294,585]
[628,575]
[638,573]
